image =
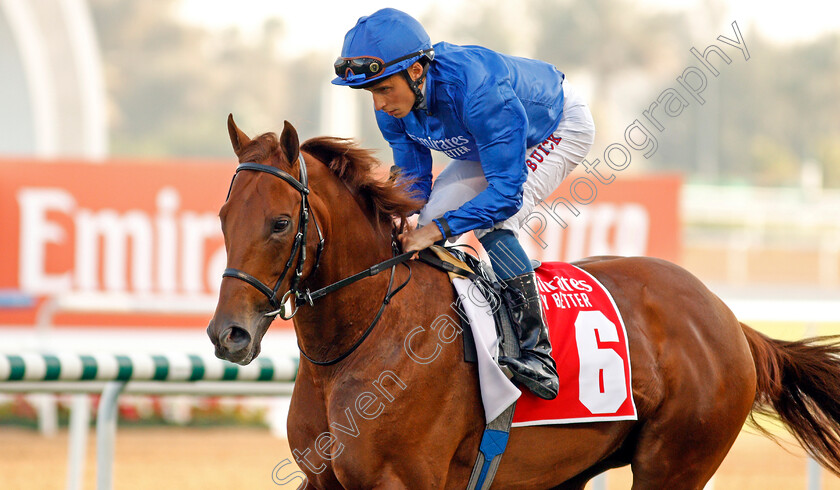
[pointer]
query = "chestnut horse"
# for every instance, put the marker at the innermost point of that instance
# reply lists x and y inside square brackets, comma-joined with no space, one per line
[366,415]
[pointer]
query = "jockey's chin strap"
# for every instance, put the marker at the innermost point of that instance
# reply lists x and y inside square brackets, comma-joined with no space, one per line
[414,85]
[299,250]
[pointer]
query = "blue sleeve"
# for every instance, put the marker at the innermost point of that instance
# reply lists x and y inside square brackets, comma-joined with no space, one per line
[413,159]
[497,120]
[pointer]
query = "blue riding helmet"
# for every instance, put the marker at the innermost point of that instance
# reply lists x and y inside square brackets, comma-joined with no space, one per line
[379,45]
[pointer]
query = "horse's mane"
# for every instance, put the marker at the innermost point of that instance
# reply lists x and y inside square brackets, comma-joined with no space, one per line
[353,165]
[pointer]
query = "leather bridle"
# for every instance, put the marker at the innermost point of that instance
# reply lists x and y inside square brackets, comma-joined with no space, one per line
[299,244]
[299,250]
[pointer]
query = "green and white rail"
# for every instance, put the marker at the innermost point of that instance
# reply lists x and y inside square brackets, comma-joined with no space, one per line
[140,367]
[113,374]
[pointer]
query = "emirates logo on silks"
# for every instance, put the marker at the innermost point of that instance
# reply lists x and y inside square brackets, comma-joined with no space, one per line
[564,284]
[453,147]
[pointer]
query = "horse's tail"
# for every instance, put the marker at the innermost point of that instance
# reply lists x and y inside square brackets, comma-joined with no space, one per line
[800,383]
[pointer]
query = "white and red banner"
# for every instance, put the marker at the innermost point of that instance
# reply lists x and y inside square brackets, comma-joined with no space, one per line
[589,344]
[147,232]
[121,231]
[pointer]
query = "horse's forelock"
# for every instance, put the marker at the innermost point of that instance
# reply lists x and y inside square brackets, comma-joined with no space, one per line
[262,149]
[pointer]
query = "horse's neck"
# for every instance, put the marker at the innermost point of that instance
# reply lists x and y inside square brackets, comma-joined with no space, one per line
[336,320]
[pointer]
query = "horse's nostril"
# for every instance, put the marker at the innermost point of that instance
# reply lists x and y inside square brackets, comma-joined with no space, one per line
[238,334]
[237,338]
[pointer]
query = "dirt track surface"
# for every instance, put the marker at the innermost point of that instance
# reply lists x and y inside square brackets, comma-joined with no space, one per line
[148,458]
[236,458]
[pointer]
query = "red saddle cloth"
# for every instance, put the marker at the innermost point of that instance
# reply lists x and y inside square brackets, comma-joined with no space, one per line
[589,345]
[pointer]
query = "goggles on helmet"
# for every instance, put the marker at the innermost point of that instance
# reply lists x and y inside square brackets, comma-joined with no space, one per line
[367,67]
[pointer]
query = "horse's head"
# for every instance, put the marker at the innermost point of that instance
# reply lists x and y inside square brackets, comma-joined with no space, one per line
[265,232]
[274,238]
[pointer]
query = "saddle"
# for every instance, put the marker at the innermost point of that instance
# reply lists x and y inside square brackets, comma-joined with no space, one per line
[502,299]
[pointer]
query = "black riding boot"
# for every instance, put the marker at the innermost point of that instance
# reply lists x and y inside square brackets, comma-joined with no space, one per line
[535,367]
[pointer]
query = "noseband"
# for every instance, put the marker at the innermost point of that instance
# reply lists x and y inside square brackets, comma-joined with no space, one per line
[302,187]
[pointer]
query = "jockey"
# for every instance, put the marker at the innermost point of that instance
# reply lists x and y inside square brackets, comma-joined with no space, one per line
[513,129]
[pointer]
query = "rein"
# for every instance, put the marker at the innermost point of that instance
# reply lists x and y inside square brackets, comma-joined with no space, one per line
[301,298]
[399,259]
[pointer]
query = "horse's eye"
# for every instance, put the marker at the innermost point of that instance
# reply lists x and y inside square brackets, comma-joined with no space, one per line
[279,225]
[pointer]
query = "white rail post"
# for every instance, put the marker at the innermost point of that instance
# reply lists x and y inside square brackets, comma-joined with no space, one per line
[814,475]
[77,440]
[106,430]
[278,414]
[47,408]
[814,470]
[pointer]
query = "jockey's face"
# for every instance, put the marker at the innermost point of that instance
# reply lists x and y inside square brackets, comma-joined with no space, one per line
[393,95]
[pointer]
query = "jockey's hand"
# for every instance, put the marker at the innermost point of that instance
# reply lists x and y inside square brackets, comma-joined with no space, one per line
[410,222]
[421,238]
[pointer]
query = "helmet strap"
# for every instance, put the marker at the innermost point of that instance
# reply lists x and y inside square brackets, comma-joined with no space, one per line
[414,85]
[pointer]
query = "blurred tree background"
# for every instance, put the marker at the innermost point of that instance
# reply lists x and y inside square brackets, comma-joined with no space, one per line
[172,84]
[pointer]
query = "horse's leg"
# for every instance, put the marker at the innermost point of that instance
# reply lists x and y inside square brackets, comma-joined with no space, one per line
[390,481]
[577,483]
[682,445]
[580,481]
[573,484]
[660,464]
[702,364]
[682,449]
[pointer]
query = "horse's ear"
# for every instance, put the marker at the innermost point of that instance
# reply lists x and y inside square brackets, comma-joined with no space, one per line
[238,139]
[289,142]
